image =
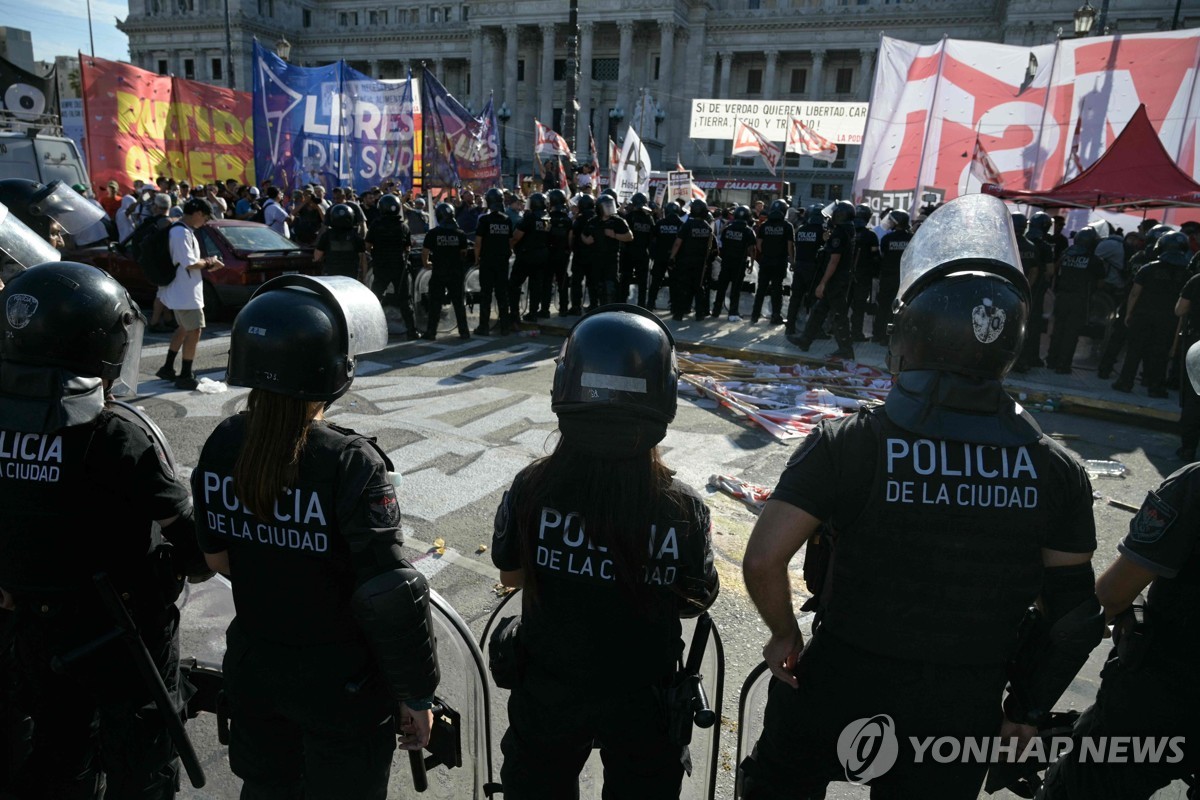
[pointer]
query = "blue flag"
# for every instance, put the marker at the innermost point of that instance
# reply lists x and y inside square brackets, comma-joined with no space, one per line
[458,148]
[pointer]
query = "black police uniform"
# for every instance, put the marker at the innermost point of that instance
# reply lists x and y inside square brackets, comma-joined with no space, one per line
[866,270]
[696,236]
[774,236]
[809,238]
[1149,686]
[1078,270]
[560,258]
[1189,417]
[737,242]
[635,260]
[533,262]
[79,501]
[1032,349]
[837,290]
[342,247]
[446,246]
[666,230]
[495,237]
[596,656]
[891,250]
[606,256]
[937,555]
[390,242]
[294,646]
[1153,324]
[582,264]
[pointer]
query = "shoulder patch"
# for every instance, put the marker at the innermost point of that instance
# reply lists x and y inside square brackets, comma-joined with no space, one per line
[1153,520]
[806,447]
[383,509]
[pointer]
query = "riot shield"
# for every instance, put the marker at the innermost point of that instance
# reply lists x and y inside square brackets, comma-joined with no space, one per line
[20,243]
[1192,365]
[74,212]
[701,784]
[358,306]
[462,736]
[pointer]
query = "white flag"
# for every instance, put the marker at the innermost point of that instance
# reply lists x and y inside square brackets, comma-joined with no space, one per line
[982,166]
[549,143]
[748,141]
[804,141]
[633,169]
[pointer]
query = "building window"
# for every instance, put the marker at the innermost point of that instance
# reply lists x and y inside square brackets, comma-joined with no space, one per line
[435,15]
[818,191]
[791,160]
[605,69]
[378,17]
[754,5]
[754,81]
[556,120]
[845,81]
[307,18]
[520,69]
[189,69]
[560,69]
[466,14]
[266,8]
[218,69]
[162,66]
[187,5]
[447,13]
[799,81]
[343,18]
[835,191]
[657,66]
[414,16]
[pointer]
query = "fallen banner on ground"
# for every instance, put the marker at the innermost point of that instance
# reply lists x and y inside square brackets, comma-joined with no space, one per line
[785,401]
[751,494]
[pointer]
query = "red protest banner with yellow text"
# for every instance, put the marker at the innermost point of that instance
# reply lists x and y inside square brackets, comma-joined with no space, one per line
[142,125]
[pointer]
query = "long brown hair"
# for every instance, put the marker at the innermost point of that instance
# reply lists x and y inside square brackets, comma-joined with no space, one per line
[276,430]
[617,499]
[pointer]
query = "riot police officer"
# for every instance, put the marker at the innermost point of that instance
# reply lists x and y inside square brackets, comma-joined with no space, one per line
[389,242]
[82,480]
[776,250]
[866,270]
[1150,315]
[891,251]
[531,243]
[689,259]
[1187,309]
[582,257]
[635,260]
[1038,229]
[560,252]
[606,232]
[493,248]
[737,243]
[341,250]
[600,629]
[1118,331]
[1076,273]
[444,252]
[1148,686]
[809,238]
[835,275]
[332,635]
[911,624]
[666,230]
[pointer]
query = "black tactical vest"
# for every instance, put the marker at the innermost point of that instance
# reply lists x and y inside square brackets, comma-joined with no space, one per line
[775,236]
[945,556]
[736,241]
[342,258]
[891,250]
[808,242]
[560,231]
[665,233]
[1073,272]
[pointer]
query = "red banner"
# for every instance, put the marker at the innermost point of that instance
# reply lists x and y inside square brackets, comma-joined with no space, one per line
[142,125]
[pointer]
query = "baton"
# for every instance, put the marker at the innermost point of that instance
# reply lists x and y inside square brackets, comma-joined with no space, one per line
[703,715]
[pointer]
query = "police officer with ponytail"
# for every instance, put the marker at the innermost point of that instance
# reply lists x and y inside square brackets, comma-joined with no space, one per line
[332,637]
[625,551]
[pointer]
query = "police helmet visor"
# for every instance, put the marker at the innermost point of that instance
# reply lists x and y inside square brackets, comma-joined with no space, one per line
[1192,361]
[1101,227]
[970,233]
[20,243]
[366,326]
[126,383]
[67,207]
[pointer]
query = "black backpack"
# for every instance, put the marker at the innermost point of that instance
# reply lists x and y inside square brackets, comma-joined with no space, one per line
[260,213]
[152,249]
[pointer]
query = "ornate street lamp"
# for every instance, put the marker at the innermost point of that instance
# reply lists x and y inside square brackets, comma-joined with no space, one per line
[283,48]
[1085,17]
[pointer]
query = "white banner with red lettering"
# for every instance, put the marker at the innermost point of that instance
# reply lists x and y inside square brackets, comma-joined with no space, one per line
[930,102]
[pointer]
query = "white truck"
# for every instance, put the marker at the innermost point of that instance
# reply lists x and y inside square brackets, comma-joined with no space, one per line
[42,158]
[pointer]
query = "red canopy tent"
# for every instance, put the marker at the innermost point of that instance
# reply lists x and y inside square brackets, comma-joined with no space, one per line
[1135,172]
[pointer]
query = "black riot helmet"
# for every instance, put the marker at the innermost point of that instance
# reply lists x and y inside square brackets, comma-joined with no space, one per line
[341,217]
[741,214]
[609,192]
[839,212]
[639,200]
[607,204]
[537,202]
[300,335]
[815,217]
[586,204]
[699,208]
[900,219]
[617,358]
[862,215]
[963,300]
[1156,233]
[1087,238]
[494,198]
[1173,248]
[443,213]
[36,205]
[557,198]
[671,209]
[75,317]
[390,205]
[1019,224]
[778,210]
[1040,224]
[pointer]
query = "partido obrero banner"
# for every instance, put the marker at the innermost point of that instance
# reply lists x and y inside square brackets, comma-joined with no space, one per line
[1041,113]
[143,125]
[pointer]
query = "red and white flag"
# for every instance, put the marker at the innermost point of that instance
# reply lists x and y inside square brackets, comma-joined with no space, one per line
[614,161]
[549,143]
[1074,165]
[697,192]
[804,141]
[982,166]
[595,155]
[748,141]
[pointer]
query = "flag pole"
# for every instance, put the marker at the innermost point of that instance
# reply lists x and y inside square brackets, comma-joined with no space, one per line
[729,177]
[787,132]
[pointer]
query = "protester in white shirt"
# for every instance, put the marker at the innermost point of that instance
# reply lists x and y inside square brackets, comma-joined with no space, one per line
[185,295]
[274,215]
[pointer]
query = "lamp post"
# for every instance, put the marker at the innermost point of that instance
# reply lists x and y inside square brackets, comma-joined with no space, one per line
[1085,17]
[504,115]
[229,44]
[283,48]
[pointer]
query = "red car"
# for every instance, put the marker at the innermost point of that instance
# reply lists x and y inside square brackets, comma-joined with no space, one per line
[252,252]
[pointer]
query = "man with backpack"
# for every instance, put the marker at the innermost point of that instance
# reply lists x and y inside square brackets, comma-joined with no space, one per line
[185,294]
[136,245]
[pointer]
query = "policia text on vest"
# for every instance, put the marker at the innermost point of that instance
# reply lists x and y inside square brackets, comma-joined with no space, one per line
[296,506]
[956,462]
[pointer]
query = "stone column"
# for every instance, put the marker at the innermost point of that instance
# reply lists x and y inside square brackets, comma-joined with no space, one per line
[546,84]
[667,82]
[726,72]
[586,32]
[373,68]
[625,81]
[771,76]
[476,93]
[817,78]
[512,41]
[866,74]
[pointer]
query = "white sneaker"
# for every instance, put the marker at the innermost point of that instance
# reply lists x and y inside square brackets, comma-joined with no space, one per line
[734,318]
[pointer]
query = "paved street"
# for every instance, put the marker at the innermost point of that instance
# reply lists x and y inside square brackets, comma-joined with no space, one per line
[459,419]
